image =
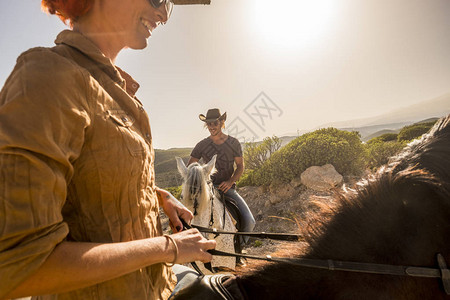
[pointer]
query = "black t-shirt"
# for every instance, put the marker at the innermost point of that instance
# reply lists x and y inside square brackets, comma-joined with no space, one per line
[226,152]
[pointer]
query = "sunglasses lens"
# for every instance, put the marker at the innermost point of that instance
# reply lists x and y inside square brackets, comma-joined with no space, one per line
[167,3]
[156,3]
[215,123]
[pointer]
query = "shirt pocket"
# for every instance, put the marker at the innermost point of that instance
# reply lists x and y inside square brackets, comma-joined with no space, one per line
[124,122]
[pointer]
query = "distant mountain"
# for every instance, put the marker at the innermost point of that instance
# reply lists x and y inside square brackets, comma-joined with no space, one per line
[367,131]
[433,108]
[286,139]
[429,120]
[378,133]
[396,119]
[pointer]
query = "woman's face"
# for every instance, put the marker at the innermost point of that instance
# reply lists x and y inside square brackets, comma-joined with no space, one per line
[129,23]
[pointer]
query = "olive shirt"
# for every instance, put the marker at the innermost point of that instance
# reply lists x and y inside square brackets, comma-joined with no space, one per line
[226,152]
[76,164]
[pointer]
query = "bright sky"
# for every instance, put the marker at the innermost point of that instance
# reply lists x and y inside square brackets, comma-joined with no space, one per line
[275,67]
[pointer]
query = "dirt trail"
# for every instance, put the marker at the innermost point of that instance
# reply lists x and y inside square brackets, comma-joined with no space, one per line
[280,210]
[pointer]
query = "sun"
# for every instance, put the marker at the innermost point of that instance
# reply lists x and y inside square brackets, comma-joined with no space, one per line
[291,23]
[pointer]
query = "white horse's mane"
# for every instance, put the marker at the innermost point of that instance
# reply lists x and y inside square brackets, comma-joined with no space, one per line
[210,211]
[196,187]
[195,184]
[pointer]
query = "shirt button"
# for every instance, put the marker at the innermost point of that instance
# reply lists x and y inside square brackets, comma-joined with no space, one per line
[147,135]
[134,85]
[124,119]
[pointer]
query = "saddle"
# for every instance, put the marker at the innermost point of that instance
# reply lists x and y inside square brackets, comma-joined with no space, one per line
[211,287]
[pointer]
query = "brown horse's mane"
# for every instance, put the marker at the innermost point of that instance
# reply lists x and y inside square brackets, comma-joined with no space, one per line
[399,216]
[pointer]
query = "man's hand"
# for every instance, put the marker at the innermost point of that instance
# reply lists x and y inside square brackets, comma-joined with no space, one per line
[225,185]
[174,209]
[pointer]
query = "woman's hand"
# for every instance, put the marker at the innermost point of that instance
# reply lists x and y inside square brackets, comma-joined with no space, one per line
[192,246]
[174,209]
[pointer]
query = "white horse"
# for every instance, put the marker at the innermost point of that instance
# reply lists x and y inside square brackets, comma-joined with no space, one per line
[199,196]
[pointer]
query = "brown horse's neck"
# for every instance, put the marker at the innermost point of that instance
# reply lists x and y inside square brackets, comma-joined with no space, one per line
[271,283]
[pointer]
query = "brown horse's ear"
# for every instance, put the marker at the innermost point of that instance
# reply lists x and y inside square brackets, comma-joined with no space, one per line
[181,167]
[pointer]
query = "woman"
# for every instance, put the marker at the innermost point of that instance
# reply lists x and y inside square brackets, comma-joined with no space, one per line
[78,202]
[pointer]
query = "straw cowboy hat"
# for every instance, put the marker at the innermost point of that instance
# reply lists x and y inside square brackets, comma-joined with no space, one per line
[213,115]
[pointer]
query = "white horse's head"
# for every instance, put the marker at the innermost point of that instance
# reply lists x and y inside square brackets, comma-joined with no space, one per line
[195,190]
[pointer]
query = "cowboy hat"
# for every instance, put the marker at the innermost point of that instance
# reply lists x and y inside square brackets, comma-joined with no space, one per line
[212,115]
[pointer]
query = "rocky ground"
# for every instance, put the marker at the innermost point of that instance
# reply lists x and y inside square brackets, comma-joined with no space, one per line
[284,208]
[280,210]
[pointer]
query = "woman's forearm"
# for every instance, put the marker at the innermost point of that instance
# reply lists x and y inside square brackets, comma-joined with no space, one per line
[76,265]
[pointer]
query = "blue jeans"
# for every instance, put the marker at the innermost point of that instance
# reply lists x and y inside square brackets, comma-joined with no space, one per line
[245,215]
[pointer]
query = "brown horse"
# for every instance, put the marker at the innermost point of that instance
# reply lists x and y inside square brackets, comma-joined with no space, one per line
[399,217]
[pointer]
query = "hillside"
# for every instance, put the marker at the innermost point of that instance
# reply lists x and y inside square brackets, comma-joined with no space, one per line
[166,166]
[365,137]
[378,133]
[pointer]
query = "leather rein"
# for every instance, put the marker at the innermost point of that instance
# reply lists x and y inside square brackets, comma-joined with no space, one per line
[334,265]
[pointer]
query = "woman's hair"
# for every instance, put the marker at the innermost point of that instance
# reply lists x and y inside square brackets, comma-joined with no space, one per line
[67,9]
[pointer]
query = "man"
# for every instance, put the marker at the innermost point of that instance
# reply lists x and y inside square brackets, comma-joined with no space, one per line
[229,154]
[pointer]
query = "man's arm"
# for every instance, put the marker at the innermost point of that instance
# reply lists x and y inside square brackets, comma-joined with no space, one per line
[192,160]
[239,169]
[226,185]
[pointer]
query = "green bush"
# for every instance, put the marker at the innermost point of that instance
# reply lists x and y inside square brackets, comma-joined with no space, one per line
[414,131]
[342,149]
[385,137]
[257,243]
[166,166]
[255,154]
[246,179]
[379,152]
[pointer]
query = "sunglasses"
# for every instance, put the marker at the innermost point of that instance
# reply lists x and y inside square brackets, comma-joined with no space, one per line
[215,123]
[167,3]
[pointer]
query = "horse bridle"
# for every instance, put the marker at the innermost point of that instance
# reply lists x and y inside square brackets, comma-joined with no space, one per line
[333,265]
[195,199]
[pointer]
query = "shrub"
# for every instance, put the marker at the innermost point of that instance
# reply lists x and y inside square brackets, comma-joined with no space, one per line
[342,149]
[257,243]
[385,137]
[414,131]
[379,152]
[255,154]
[246,179]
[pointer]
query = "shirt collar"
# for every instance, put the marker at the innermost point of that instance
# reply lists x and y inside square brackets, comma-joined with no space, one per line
[81,43]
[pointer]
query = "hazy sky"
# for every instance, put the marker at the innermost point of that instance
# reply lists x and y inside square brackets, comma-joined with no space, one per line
[275,67]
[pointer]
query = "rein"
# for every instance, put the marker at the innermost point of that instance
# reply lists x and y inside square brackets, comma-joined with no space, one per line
[262,234]
[333,265]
